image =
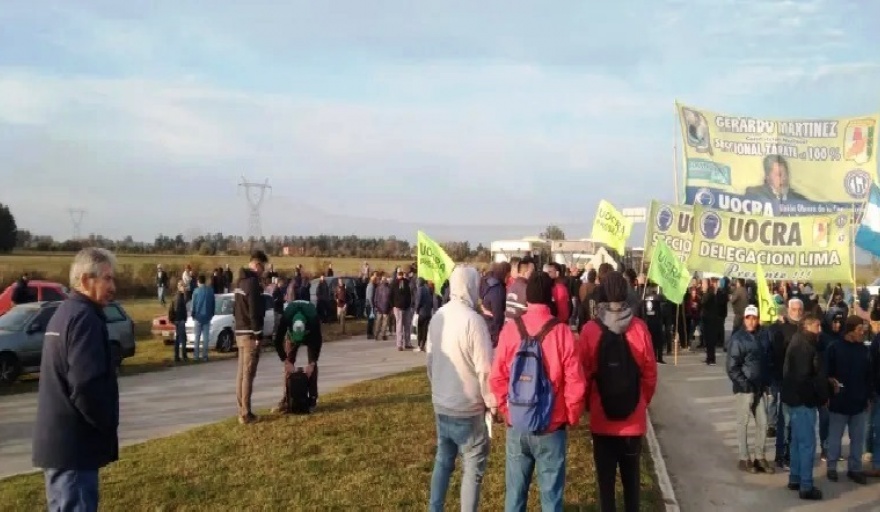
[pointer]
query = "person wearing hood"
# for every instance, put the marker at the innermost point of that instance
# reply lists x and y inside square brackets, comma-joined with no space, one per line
[459,362]
[424,307]
[747,368]
[617,443]
[249,312]
[804,389]
[849,372]
[545,450]
[832,332]
[494,300]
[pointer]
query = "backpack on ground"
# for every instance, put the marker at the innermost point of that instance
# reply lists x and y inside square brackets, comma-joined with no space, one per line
[617,376]
[298,399]
[530,393]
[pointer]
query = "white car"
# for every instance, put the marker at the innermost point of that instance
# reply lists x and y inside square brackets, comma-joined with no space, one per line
[222,335]
[874,287]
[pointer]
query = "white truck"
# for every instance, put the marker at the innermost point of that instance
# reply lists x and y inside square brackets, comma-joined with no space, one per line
[584,252]
[504,250]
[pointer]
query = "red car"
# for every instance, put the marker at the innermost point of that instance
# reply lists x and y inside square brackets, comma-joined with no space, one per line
[40,290]
[163,329]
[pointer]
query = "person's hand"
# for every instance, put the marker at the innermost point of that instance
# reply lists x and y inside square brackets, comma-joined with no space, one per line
[835,384]
[289,367]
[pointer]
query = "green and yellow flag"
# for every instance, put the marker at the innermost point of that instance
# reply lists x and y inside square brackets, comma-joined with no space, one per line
[433,262]
[669,272]
[610,227]
[766,305]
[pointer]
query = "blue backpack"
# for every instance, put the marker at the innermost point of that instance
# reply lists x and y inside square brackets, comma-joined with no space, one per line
[530,394]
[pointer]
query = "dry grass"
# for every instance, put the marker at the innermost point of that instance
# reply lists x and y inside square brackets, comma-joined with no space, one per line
[370,447]
[152,354]
[136,273]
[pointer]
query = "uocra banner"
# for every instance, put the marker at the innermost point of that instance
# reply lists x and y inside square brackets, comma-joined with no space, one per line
[812,248]
[777,167]
[672,224]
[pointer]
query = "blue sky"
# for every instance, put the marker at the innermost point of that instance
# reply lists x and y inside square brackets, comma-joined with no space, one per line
[472,120]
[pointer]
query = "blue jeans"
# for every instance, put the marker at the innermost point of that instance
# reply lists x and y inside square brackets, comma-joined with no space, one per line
[855,426]
[180,340]
[780,412]
[71,490]
[161,292]
[202,332]
[469,438]
[524,452]
[823,427]
[875,447]
[803,446]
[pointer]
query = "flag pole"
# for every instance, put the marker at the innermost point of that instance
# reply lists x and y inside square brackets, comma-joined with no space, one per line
[675,122]
[852,241]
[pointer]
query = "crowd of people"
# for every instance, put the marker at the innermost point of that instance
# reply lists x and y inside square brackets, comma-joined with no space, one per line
[528,349]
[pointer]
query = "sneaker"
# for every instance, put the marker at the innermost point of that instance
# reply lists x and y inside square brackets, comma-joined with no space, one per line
[417,349]
[857,477]
[794,487]
[813,494]
[765,466]
[824,455]
[832,475]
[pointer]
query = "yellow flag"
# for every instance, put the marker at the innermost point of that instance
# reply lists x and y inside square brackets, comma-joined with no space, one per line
[433,262]
[766,304]
[610,227]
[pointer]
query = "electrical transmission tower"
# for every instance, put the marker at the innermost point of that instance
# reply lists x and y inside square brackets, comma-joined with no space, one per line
[255,194]
[76,217]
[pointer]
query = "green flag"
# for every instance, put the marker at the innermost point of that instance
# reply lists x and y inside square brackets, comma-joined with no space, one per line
[433,262]
[669,272]
[766,305]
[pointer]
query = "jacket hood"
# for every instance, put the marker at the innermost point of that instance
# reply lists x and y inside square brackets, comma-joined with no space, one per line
[464,285]
[615,315]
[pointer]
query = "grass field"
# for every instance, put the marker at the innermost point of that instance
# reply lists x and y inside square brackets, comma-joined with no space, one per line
[137,273]
[369,447]
[153,354]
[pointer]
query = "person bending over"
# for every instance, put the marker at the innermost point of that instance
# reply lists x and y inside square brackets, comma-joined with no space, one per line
[300,325]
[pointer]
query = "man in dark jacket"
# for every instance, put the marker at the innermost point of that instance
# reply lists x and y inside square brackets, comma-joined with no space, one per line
[401,301]
[249,311]
[713,326]
[515,303]
[22,293]
[652,307]
[494,300]
[424,308]
[780,337]
[832,332]
[76,430]
[849,371]
[747,367]
[299,326]
[804,390]
[875,408]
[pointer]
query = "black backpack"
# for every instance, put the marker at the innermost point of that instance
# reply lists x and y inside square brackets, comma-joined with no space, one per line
[298,399]
[617,376]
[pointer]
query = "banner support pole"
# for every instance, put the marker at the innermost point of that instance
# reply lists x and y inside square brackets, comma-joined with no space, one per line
[675,340]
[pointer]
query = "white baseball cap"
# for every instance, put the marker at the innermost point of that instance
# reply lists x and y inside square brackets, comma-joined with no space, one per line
[751,311]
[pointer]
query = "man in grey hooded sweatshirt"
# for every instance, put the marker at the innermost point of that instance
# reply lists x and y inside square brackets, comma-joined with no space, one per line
[459,361]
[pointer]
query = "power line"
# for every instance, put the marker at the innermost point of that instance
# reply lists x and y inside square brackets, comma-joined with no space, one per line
[76,217]
[255,193]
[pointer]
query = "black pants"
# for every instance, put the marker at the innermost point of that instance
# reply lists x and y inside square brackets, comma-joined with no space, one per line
[422,330]
[658,338]
[711,336]
[371,321]
[609,454]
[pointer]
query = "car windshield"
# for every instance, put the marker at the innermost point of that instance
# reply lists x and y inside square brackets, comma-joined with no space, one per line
[15,319]
[223,306]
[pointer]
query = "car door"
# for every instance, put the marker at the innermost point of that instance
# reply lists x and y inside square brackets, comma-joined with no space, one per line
[35,332]
[119,326]
[269,318]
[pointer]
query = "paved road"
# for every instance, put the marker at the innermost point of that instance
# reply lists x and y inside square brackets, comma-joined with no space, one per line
[164,403]
[696,425]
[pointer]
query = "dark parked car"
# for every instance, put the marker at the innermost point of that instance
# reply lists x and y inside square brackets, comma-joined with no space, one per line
[333,282]
[23,327]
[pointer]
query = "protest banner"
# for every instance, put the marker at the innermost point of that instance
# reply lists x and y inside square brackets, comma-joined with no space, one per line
[433,263]
[669,272]
[777,167]
[672,224]
[610,227]
[813,248]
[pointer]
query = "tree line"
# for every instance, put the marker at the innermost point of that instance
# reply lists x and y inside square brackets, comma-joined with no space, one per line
[312,246]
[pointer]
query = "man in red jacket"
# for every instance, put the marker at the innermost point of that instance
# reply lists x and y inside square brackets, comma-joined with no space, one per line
[560,293]
[547,449]
[618,443]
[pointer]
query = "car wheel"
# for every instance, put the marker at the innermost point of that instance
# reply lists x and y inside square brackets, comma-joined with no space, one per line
[10,368]
[225,341]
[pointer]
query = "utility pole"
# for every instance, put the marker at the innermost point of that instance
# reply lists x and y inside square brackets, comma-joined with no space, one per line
[255,193]
[76,217]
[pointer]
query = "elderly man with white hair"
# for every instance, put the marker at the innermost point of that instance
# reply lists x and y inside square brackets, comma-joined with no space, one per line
[76,431]
[777,415]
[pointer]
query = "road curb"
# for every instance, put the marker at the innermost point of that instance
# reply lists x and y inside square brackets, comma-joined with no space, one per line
[663,480]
